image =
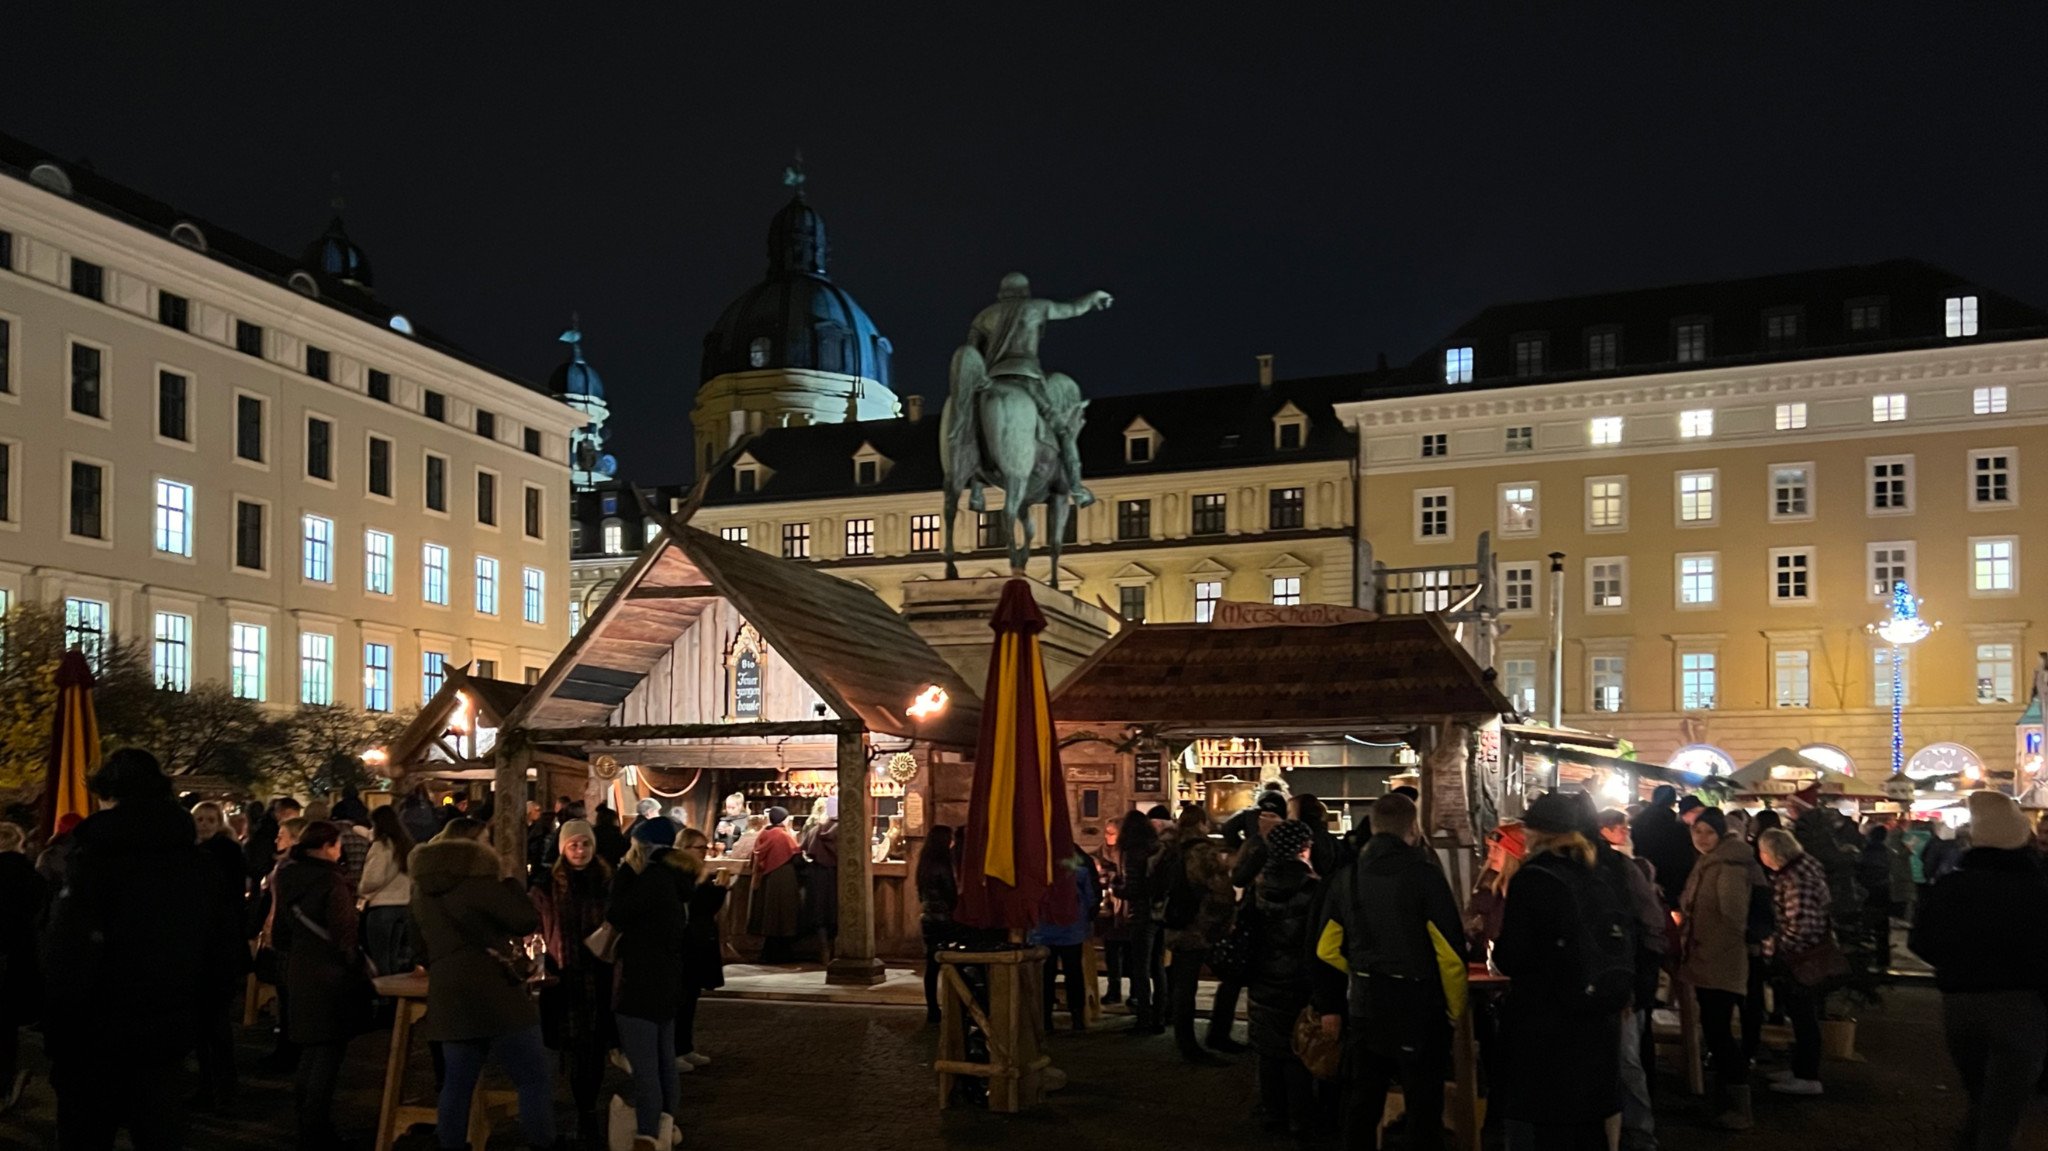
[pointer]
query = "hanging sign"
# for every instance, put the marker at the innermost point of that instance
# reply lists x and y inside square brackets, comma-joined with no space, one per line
[1232,613]
[1149,776]
[746,685]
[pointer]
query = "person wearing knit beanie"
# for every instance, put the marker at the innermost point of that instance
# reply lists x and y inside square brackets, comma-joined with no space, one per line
[1287,841]
[576,828]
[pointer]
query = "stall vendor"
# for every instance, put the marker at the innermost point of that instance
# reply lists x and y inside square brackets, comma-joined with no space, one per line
[732,822]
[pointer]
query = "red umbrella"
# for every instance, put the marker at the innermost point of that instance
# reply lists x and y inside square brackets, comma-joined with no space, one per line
[1017,828]
[74,744]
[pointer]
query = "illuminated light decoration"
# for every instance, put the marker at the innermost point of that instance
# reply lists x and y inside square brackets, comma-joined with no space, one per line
[1702,759]
[606,767]
[376,756]
[929,702]
[902,767]
[1904,629]
[1616,788]
[1944,759]
[1829,756]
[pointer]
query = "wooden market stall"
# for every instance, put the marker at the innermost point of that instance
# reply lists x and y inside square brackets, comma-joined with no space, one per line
[712,667]
[451,742]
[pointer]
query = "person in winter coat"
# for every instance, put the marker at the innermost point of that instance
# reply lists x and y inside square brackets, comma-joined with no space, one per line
[1243,827]
[1506,846]
[463,910]
[776,910]
[1714,935]
[1390,923]
[612,843]
[650,909]
[217,1019]
[1112,918]
[22,896]
[820,843]
[133,947]
[1799,904]
[1138,851]
[1665,842]
[938,892]
[386,892]
[1063,943]
[1874,875]
[315,929]
[704,954]
[1197,899]
[1984,927]
[1814,826]
[1285,898]
[1560,1050]
[571,898]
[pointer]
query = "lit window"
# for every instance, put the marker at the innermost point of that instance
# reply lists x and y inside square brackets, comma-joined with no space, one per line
[860,537]
[1208,593]
[735,535]
[433,672]
[757,352]
[316,668]
[1518,509]
[377,562]
[1696,579]
[317,548]
[1791,575]
[1518,587]
[1991,478]
[245,660]
[1433,514]
[1696,497]
[1518,683]
[1995,673]
[1458,365]
[376,677]
[434,574]
[1606,503]
[1435,445]
[1992,566]
[1695,424]
[486,585]
[1606,584]
[1891,564]
[1603,350]
[1881,680]
[171,652]
[1521,439]
[1791,679]
[796,538]
[1696,681]
[649,530]
[1891,484]
[533,591]
[614,538]
[1960,313]
[1792,491]
[1690,342]
[1791,417]
[1286,590]
[1609,673]
[1529,356]
[1888,408]
[1988,401]
[1605,431]
[85,628]
[173,518]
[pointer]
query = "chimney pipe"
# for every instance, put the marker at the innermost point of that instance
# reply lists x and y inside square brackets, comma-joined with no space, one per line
[913,408]
[1266,371]
[1556,639]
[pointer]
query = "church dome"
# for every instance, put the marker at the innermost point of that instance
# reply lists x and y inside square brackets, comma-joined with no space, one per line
[796,318]
[336,257]
[575,378]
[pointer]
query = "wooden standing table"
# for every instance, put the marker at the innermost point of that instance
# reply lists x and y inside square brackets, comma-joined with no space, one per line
[393,1113]
[1464,1101]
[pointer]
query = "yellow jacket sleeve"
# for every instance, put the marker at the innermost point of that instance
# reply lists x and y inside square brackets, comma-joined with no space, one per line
[1330,948]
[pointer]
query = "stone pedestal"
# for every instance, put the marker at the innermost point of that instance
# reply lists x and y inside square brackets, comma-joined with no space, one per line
[952,616]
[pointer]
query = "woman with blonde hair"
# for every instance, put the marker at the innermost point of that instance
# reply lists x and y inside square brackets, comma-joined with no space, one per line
[1505,848]
[1714,950]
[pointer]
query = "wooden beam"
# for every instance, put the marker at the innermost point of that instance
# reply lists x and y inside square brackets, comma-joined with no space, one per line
[508,821]
[692,591]
[633,733]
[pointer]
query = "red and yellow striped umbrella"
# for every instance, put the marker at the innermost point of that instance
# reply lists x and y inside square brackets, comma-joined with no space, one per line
[1018,832]
[74,744]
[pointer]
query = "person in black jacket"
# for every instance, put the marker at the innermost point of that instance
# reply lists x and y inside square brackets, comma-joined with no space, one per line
[1137,848]
[651,912]
[575,1009]
[315,928]
[938,892]
[1285,897]
[216,1039]
[1390,922]
[1664,841]
[133,940]
[22,895]
[1984,927]
[704,954]
[611,840]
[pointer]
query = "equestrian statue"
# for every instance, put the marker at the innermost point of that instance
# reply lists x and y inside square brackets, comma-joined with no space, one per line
[1011,425]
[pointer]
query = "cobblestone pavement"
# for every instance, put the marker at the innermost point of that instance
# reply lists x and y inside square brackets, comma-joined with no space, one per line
[792,1074]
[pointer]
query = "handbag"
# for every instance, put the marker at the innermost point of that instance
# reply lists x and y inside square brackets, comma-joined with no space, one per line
[521,960]
[1318,1051]
[1232,957]
[603,943]
[1819,965]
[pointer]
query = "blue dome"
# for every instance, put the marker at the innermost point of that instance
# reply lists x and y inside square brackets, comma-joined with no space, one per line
[575,377]
[335,256]
[797,318]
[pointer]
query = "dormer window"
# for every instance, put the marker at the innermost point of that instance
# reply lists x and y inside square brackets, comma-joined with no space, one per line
[1959,316]
[190,236]
[748,475]
[757,352]
[1457,365]
[1290,428]
[614,537]
[1528,355]
[1141,442]
[869,466]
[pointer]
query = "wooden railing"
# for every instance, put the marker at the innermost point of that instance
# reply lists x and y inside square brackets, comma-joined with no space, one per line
[1420,590]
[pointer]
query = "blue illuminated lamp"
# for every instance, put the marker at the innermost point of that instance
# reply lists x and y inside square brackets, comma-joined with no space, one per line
[1904,629]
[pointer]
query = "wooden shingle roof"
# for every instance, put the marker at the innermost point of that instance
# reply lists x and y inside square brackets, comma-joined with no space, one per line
[1400,670]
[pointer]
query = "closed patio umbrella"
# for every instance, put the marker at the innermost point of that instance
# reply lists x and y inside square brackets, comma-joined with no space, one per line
[74,744]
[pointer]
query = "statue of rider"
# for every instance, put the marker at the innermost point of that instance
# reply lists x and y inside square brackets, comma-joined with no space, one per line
[1003,343]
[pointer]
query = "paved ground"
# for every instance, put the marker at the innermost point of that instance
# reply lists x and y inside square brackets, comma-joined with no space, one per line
[788,1073]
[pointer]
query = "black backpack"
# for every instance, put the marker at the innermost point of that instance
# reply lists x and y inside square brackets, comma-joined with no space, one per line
[1601,941]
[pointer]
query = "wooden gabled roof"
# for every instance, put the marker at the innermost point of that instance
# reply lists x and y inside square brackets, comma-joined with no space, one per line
[857,653]
[1400,670]
[495,700]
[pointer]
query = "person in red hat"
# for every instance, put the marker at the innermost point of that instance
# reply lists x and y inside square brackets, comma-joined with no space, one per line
[1506,846]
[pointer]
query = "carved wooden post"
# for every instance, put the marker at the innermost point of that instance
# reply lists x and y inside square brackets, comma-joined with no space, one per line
[508,818]
[853,956]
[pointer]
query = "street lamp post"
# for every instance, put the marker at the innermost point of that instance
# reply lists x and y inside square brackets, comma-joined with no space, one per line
[1904,629]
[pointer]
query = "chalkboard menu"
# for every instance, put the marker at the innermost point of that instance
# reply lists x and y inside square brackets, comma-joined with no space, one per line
[746,685]
[1149,778]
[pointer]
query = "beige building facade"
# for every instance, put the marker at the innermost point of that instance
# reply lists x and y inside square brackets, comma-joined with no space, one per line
[250,463]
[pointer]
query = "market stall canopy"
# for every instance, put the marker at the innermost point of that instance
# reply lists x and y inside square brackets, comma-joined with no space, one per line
[452,736]
[852,649]
[1397,670]
[1785,771]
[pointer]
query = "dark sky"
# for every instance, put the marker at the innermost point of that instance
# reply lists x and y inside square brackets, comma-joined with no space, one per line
[1319,181]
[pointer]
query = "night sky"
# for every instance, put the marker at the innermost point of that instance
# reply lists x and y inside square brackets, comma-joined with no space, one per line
[1323,182]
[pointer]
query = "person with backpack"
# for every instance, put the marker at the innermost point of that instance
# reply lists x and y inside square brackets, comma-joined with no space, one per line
[1195,903]
[1568,941]
[1138,855]
[1617,860]
[1714,933]
[1282,969]
[1391,924]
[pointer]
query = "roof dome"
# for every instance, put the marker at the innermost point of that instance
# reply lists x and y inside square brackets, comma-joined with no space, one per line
[335,256]
[797,318]
[575,377]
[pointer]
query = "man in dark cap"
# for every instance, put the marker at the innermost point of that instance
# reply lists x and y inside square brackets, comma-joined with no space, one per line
[1665,842]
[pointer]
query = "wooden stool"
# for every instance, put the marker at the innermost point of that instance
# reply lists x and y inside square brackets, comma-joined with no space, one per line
[1016,1071]
[394,1115]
